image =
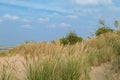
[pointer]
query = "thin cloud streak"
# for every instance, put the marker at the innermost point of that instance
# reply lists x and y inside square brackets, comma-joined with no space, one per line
[39,6]
[10,17]
[27,26]
[93,2]
[60,25]
[43,20]
[72,16]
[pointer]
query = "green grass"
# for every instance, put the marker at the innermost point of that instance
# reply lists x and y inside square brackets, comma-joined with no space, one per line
[5,75]
[69,68]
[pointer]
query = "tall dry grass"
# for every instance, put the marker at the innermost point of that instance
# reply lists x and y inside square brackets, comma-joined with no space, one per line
[53,61]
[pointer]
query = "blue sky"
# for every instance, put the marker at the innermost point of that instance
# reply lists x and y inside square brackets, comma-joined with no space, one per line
[45,20]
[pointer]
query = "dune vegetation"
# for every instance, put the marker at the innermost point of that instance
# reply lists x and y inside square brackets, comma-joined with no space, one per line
[56,61]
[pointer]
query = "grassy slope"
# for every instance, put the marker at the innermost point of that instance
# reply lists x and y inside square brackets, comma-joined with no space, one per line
[52,61]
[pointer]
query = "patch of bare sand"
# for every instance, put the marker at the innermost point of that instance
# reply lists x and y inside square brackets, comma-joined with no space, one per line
[104,72]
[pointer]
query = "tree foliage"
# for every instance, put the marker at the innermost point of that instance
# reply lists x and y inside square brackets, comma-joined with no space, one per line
[70,39]
[103,30]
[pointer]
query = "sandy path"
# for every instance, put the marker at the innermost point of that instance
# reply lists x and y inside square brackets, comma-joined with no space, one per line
[104,72]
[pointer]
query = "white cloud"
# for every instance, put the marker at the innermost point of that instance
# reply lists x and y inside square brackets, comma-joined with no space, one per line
[62,25]
[54,15]
[27,26]
[26,20]
[96,2]
[72,16]
[43,20]
[11,17]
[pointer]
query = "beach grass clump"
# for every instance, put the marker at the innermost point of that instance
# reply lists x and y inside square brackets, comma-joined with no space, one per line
[58,68]
[53,61]
[5,74]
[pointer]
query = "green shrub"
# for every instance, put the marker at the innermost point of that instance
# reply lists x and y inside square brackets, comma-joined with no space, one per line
[71,39]
[63,41]
[103,30]
[117,24]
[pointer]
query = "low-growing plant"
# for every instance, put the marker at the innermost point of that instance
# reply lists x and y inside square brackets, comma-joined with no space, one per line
[3,53]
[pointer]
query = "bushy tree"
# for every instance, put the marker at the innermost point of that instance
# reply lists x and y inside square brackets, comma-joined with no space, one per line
[103,30]
[117,24]
[102,23]
[71,39]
